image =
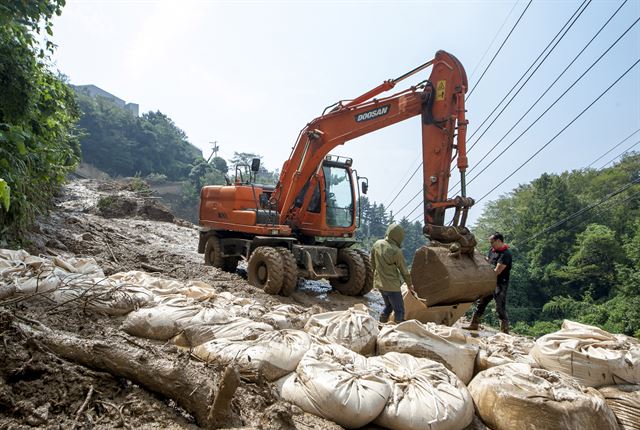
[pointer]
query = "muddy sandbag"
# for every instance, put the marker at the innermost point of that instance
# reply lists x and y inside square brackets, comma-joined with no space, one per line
[591,355]
[103,297]
[446,345]
[252,311]
[423,393]
[501,349]
[167,319]
[234,328]
[442,277]
[86,266]
[165,287]
[515,396]
[337,384]
[272,355]
[624,401]
[286,316]
[353,328]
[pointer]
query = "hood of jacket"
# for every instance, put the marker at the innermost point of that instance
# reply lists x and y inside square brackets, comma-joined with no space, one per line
[395,234]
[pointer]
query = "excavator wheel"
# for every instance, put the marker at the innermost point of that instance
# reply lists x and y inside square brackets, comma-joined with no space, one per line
[353,283]
[368,276]
[290,272]
[265,269]
[213,256]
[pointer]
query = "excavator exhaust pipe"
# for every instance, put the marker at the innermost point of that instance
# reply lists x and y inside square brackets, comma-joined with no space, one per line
[447,282]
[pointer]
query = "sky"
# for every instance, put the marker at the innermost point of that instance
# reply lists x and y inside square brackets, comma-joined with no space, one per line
[250,74]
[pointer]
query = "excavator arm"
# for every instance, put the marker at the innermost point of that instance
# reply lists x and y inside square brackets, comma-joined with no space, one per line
[440,102]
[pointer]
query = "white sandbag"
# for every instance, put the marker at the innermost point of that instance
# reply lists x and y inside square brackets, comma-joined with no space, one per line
[517,396]
[591,355]
[167,319]
[103,296]
[424,395]
[233,328]
[445,345]
[252,311]
[286,316]
[86,266]
[336,383]
[165,287]
[501,349]
[624,401]
[272,355]
[42,281]
[353,328]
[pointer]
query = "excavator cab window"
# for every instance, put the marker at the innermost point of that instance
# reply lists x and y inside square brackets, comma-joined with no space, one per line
[339,196]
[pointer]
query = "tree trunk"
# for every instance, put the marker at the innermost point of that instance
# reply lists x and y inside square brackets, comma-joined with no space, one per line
[193,387]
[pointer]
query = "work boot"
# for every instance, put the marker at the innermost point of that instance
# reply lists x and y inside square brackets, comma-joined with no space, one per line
[475,322]
[504,326]
[384,318]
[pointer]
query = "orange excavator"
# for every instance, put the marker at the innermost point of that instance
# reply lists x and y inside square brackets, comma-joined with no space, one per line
[304,227]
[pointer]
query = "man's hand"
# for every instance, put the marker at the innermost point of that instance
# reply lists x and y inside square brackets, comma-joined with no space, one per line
[412,290]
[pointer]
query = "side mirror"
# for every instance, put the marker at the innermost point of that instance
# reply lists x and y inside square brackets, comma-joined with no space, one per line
[365,187]
[255,165]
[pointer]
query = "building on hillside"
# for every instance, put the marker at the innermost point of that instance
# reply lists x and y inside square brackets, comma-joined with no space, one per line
[95,91]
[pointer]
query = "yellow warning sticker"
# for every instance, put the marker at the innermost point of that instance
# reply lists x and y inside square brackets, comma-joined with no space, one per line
[440,89]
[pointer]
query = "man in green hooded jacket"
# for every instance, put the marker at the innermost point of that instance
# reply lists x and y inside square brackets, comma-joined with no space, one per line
[390,271]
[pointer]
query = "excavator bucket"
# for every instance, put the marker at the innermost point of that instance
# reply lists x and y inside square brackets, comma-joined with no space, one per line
[448,282]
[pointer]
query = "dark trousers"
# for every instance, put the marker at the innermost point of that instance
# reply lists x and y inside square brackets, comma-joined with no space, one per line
[500,296]
[393,302]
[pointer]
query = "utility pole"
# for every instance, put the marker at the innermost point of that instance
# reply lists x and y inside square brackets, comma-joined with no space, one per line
[214,150]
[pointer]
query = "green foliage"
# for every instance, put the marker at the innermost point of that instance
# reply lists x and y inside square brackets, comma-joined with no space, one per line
[586,269]
[105,202]
[122,144]
[5,195]
[38,113]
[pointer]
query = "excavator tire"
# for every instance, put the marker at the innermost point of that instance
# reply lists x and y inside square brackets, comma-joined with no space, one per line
[290,272]
[368,277]
[265,269]
[352,284]
[213,256]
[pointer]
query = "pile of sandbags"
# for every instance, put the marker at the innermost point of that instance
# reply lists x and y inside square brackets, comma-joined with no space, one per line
[424,394]
[336,383]
[514,396]
[397,391]
[353,328]
[165,287]
[624,401]
[446,345]
[190,323]
[270,356]
[31,274]
[591,355]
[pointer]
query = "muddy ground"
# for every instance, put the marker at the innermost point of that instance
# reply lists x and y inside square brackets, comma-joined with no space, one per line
[125,228]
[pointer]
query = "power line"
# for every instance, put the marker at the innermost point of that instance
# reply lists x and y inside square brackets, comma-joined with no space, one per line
[636,194]
[409,202]
[500,48]
[552,84]
[561,131]
[404,186]
[564,93]
[618,144]
[569,22]
[619,155]
[583,210]
[493,40]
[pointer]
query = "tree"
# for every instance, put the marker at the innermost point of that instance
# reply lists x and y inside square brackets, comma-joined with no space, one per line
[591,267]
[38,113]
